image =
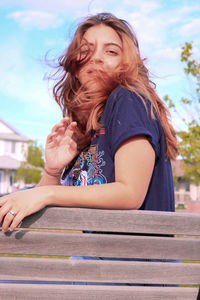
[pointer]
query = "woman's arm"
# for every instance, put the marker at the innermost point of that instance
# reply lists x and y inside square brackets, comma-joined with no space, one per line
[48,179]
[134,163]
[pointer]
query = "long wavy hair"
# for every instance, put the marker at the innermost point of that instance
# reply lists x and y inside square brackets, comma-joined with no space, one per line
[85,103]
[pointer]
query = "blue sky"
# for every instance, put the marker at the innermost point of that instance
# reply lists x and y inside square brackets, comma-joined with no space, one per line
[31,28]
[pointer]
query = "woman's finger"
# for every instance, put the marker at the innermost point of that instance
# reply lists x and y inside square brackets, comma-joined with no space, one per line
[70,129]
[56,127]
[62,124]
[8,218]
[51,137]
[73,145]
[3,211]
[3,200]
[16,221]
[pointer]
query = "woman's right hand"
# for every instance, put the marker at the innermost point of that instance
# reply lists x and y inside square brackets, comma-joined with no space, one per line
[60,147]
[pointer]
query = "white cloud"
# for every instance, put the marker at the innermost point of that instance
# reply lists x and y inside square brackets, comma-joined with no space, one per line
[186,9]
[161,27]
[191,28]
[182,14]
[80,8]
[145,7]
[196,51]
[149,31]
[67,7]
[23,89]
[22,80]
[39,19]
[148,7]
[172,54]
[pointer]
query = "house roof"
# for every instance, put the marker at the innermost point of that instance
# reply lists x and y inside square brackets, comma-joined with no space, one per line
[14,135]
[10,163]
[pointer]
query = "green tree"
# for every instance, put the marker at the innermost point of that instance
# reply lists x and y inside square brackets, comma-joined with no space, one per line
[30,171]
[190,152]
[189,146]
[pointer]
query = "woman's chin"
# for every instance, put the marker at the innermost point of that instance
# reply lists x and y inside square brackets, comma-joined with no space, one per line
[93,84]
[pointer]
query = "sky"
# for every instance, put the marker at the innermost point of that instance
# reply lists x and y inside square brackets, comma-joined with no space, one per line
[31,29]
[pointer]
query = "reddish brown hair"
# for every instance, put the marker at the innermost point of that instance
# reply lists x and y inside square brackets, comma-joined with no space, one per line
[86,105]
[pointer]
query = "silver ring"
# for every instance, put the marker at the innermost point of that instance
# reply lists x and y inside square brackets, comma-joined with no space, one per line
[12,212]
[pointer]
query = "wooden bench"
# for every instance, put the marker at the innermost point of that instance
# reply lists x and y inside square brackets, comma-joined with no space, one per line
[56,231]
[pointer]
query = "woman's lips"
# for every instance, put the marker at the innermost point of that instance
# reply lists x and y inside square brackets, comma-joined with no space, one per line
[94,72]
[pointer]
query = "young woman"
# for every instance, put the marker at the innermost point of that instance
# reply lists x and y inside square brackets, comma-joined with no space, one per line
[113,147]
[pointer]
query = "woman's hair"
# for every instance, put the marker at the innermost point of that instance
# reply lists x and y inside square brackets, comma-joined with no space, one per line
[86,105]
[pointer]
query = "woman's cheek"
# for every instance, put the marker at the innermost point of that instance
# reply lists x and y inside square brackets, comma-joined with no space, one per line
[81,76]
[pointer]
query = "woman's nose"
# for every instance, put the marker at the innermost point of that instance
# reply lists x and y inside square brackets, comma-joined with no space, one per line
[97,58]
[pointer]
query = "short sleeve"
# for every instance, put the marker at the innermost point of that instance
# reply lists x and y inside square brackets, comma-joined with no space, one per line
[125,116]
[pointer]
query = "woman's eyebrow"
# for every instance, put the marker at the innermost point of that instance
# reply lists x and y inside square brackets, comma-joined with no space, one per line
[107,44]
[113,44]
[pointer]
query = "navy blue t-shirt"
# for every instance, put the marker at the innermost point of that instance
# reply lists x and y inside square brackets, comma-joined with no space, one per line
[124,117]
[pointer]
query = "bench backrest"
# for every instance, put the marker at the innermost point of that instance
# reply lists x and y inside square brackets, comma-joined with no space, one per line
[55,233]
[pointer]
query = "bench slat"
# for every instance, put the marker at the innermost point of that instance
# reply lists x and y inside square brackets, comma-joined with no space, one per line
[105,245]
[38,269]
[67,292]
[105,220]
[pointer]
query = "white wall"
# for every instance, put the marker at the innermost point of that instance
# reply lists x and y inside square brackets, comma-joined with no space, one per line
[14,149]
[17,150]
[195,192]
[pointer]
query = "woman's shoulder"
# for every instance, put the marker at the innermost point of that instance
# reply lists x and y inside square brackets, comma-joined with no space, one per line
[130,98]
[121,91]
[128,114]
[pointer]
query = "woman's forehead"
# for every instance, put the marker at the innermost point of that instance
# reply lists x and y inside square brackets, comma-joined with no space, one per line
[102,34]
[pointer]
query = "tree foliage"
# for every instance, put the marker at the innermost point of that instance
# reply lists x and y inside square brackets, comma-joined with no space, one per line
[34,155]
[190,152]
[30,171]
[189,146]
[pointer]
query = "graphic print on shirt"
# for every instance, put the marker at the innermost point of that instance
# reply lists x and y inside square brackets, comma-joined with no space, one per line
[87,169]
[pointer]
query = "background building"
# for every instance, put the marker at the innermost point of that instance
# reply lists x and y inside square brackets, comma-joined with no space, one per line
[13,147]
[187,195]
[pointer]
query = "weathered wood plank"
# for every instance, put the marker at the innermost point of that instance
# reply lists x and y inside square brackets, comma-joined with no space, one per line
[38,269]
[67,292]
[115,220]
[127,221]
[105,245]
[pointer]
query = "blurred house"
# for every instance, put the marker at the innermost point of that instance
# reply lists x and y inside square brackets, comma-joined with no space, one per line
[13,147]
[187,195]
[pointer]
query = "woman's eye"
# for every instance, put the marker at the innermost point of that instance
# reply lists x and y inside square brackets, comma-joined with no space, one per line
[84,51]
[112,52]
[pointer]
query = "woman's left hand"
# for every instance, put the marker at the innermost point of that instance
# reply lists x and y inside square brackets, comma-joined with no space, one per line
[16,206]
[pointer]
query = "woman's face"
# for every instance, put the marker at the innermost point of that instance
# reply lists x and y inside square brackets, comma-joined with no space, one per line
[106,48]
